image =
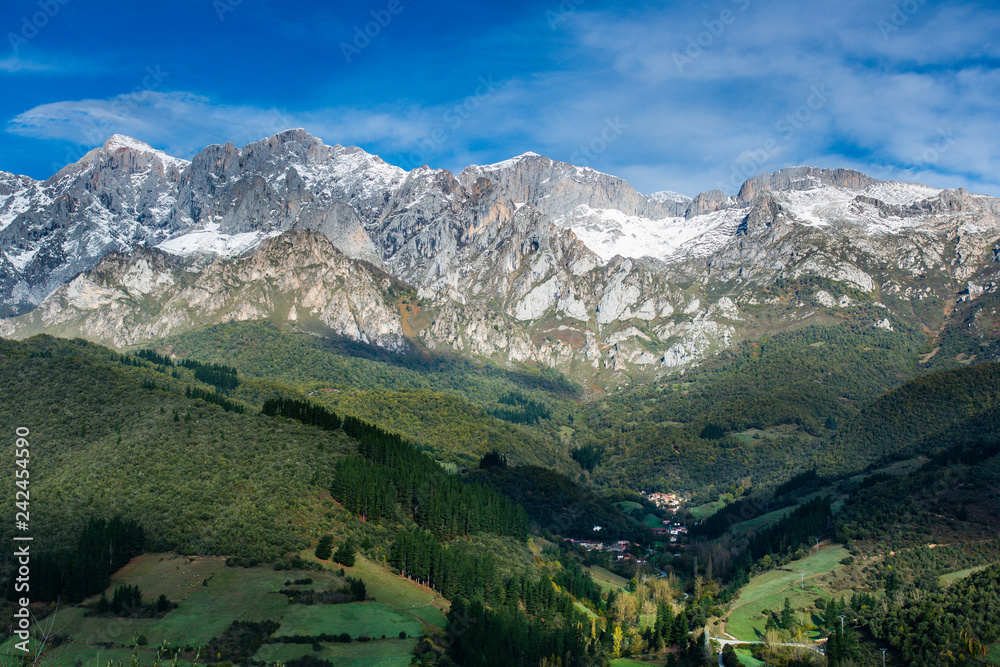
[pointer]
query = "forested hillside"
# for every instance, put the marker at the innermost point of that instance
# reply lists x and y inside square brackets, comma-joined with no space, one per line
[922,417]
[112,438]
[441,403]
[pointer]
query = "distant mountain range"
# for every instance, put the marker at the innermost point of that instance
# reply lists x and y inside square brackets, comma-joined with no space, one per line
[527,260]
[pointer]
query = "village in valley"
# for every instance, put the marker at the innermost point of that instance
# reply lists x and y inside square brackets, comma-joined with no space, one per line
[670,532]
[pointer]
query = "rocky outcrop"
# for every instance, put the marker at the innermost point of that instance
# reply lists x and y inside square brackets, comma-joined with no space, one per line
[803,178]
[115,198]
[527,260]
[706,202]
[299,277]
[555,187]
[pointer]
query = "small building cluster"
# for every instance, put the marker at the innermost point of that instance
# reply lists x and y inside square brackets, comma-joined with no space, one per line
[665,501]
[620,546]
[671,529]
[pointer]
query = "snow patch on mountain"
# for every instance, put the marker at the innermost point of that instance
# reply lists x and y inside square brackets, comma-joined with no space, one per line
[13,206]
[21,260]
[669,197]
[505,164]
[609,232]
[892,192]
[119,141]
[210,241]
[826,205]
[362,174]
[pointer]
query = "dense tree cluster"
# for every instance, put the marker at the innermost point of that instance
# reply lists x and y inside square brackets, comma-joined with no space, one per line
[519,409]
[927,415]
[221,376]
[102,548]
[577,582]
[390,475]
[240,641]
[805,523]
[303,411]
[451,570]
[796,482]
[558,505]
[215,397]
[486,637]
[588,456]
[948,627]
[113,447]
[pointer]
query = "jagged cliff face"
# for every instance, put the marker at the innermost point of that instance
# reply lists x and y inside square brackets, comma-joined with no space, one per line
[128,299]
[528,260]
[115,198]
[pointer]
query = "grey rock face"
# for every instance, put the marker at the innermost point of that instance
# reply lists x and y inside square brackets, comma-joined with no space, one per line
[556,187]
[804,178]
[116,197]
[706,202]
[529,260]
[129,299]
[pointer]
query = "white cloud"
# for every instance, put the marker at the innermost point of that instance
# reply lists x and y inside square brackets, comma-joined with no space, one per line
[183,123]
[918,101]
[16,64]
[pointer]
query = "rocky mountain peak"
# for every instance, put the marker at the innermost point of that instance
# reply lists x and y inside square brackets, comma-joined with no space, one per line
[804,178]
[555,187]
[122,142]
[706,202]
[670,197]
[530,259]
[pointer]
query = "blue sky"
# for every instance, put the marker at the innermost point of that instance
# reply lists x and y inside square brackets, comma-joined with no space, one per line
[680,96]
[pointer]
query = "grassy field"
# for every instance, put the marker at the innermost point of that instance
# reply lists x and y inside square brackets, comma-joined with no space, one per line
[952,577]
[708,509]
[993,653]
[211,596]
[373,619]
[607,580]
[747,659]
[653,521]
[389,653]
[400,594]
[768,591]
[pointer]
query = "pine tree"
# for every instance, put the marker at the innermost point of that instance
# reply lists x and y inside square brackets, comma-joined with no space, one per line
[679,631]
[324,549]
[787,616]
[345,553]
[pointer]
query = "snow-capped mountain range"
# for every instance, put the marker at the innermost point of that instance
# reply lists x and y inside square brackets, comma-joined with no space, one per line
[526,259]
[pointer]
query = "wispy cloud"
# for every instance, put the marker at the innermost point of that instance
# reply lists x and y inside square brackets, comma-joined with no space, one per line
[910,92]
[17,64]
[182,123]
